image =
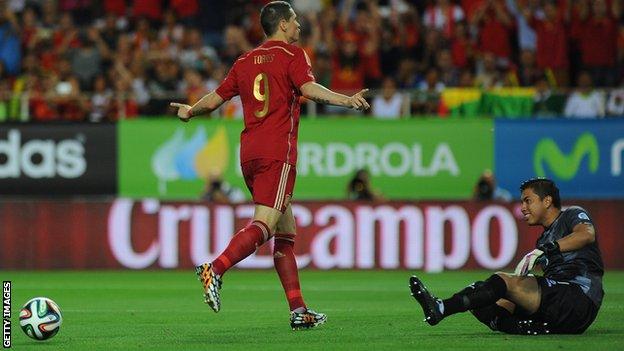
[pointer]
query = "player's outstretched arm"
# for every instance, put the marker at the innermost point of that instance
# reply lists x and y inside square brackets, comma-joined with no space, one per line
[205,105]
[322,95]
[582,234]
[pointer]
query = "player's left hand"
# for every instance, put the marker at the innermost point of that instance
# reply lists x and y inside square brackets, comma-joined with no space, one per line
[183,111]
[528,262]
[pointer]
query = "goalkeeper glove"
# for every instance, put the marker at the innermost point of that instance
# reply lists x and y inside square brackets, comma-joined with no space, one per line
[550,249]
[526,264]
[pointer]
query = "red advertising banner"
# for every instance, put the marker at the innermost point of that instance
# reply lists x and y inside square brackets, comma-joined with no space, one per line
[430,236]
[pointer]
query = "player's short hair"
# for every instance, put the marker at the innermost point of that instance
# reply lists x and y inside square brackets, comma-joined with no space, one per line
[543,187]
[271,15]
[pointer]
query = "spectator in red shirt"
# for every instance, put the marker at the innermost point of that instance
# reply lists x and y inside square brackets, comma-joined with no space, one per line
[368,25]
[348,68]
[66,36]
[578,11]
[552,42]
[495,24]
[408,29]
[30,29]
[364,30]
[598,44]
[41,106]
[462,47]
[443,17]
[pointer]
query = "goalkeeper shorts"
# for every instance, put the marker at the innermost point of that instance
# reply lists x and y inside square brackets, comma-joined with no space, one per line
[565,307]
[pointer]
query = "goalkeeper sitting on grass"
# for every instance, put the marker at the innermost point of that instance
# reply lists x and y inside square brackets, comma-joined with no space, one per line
[565,300]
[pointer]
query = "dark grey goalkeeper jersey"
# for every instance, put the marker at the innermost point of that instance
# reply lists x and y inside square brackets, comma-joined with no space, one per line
[583,267]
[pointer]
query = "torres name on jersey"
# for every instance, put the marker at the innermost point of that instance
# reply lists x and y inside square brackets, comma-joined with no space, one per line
[268,80]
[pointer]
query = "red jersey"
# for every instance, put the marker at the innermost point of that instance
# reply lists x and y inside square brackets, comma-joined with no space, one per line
[552,43]
[268,79]
[495,37]
[598,42]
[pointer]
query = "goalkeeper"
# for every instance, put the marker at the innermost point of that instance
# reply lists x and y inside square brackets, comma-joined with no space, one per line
[565,300]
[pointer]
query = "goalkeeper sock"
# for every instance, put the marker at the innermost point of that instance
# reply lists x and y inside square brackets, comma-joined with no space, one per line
[286,267]
[481,295]
[243,244]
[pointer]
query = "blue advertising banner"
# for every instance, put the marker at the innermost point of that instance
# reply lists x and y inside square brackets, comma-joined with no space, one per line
[583,157]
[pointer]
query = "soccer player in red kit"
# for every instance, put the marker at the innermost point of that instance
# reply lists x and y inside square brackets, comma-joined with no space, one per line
[269,79]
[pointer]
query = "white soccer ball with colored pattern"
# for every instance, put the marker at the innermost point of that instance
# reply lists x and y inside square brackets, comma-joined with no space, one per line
[40,318]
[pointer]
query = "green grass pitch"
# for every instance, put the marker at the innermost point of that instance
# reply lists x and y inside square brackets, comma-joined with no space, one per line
[367,310]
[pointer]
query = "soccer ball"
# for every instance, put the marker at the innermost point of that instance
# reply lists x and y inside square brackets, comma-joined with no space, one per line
[40,318]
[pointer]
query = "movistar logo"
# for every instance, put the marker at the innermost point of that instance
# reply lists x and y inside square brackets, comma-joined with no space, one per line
[565,166]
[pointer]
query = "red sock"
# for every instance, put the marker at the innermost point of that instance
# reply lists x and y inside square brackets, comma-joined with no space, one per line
[286,267]
[243,244]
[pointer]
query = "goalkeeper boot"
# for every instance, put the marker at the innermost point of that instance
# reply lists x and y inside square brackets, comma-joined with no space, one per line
[211,283]
[429,303]
[306,319]
[532,327]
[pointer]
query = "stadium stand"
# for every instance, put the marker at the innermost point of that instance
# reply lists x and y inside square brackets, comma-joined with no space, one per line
[105,60]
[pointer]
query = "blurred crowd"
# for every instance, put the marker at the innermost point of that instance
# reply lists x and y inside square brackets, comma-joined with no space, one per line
[104,60]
